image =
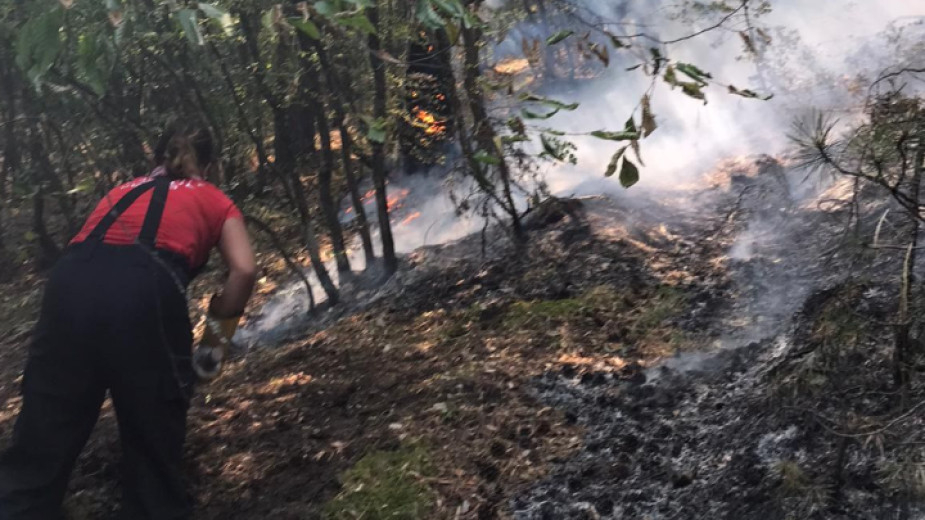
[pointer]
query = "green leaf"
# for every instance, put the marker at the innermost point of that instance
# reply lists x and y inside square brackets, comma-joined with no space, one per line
[95,59]
[486,158]
[559,36]
[629,173]
[325,8]
[533,115]
[452,8]
[533,98]
[376,129]
[615,136]
[694,73]
[614,161]
[189,22]
[670,77]
[452,32]
[427,16]
[658,59]
[630,126]
[648,119]
[615,41]
[357,21]
[471,20]
[746,93]
[39,43]
[694,90]
[307,27]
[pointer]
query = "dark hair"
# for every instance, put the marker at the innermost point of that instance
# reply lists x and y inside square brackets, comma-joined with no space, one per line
[178,144]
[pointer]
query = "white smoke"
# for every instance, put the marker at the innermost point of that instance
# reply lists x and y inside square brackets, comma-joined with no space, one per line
[819,48]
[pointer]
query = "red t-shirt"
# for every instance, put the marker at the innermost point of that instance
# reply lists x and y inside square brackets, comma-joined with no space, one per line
[191,226]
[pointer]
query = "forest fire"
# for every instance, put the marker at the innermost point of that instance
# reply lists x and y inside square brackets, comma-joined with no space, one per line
[429,122]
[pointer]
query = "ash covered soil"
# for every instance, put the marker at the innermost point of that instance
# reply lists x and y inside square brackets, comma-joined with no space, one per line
[675,356]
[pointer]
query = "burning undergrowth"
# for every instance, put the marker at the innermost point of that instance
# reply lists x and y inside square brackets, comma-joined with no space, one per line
[801,420]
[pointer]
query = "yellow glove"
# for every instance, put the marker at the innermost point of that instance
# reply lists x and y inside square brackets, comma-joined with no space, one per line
[209,357]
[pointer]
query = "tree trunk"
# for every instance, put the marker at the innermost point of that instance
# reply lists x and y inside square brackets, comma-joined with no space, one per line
[353,186]
[311,243]
[325,173]
[484,132]
[390,261]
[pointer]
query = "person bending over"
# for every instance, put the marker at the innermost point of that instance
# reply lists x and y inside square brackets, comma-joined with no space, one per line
[114,317]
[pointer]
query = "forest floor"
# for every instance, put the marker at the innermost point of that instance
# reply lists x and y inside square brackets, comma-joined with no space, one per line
[680,356]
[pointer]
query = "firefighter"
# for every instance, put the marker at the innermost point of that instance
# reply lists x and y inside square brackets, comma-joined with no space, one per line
[114,318]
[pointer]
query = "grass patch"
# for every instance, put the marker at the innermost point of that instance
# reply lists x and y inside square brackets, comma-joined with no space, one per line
[597,301]
[385,485]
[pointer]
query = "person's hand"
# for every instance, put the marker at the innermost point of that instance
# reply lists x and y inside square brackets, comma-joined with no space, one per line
[209,356]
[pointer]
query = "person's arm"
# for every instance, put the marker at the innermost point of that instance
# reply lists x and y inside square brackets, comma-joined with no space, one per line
[235,247]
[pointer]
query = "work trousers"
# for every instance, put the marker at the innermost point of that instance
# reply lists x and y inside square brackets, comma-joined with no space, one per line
[112,318]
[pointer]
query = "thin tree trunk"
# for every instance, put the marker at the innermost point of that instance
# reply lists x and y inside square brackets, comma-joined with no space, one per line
[311,243]
[325,173]
[346,147]
[390,261]
[484,132]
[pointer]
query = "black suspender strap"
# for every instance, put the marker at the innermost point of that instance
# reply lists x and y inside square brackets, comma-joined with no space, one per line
[99,232]
[148,234]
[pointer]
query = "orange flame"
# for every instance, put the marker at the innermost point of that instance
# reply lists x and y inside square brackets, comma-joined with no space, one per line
[411,218]
[429,122]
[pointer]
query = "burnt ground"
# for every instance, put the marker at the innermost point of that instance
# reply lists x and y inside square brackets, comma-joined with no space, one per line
[638,359]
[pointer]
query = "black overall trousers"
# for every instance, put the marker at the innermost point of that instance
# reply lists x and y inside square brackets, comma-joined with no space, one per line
[113,318]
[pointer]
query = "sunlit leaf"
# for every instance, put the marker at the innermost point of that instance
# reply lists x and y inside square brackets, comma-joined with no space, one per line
[559,36]
[218,15]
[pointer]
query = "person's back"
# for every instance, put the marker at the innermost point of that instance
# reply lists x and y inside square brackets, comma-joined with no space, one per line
[114,317]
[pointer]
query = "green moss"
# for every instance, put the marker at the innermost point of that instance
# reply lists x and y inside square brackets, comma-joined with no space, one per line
[385,485]
[524,313]
[668,302]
